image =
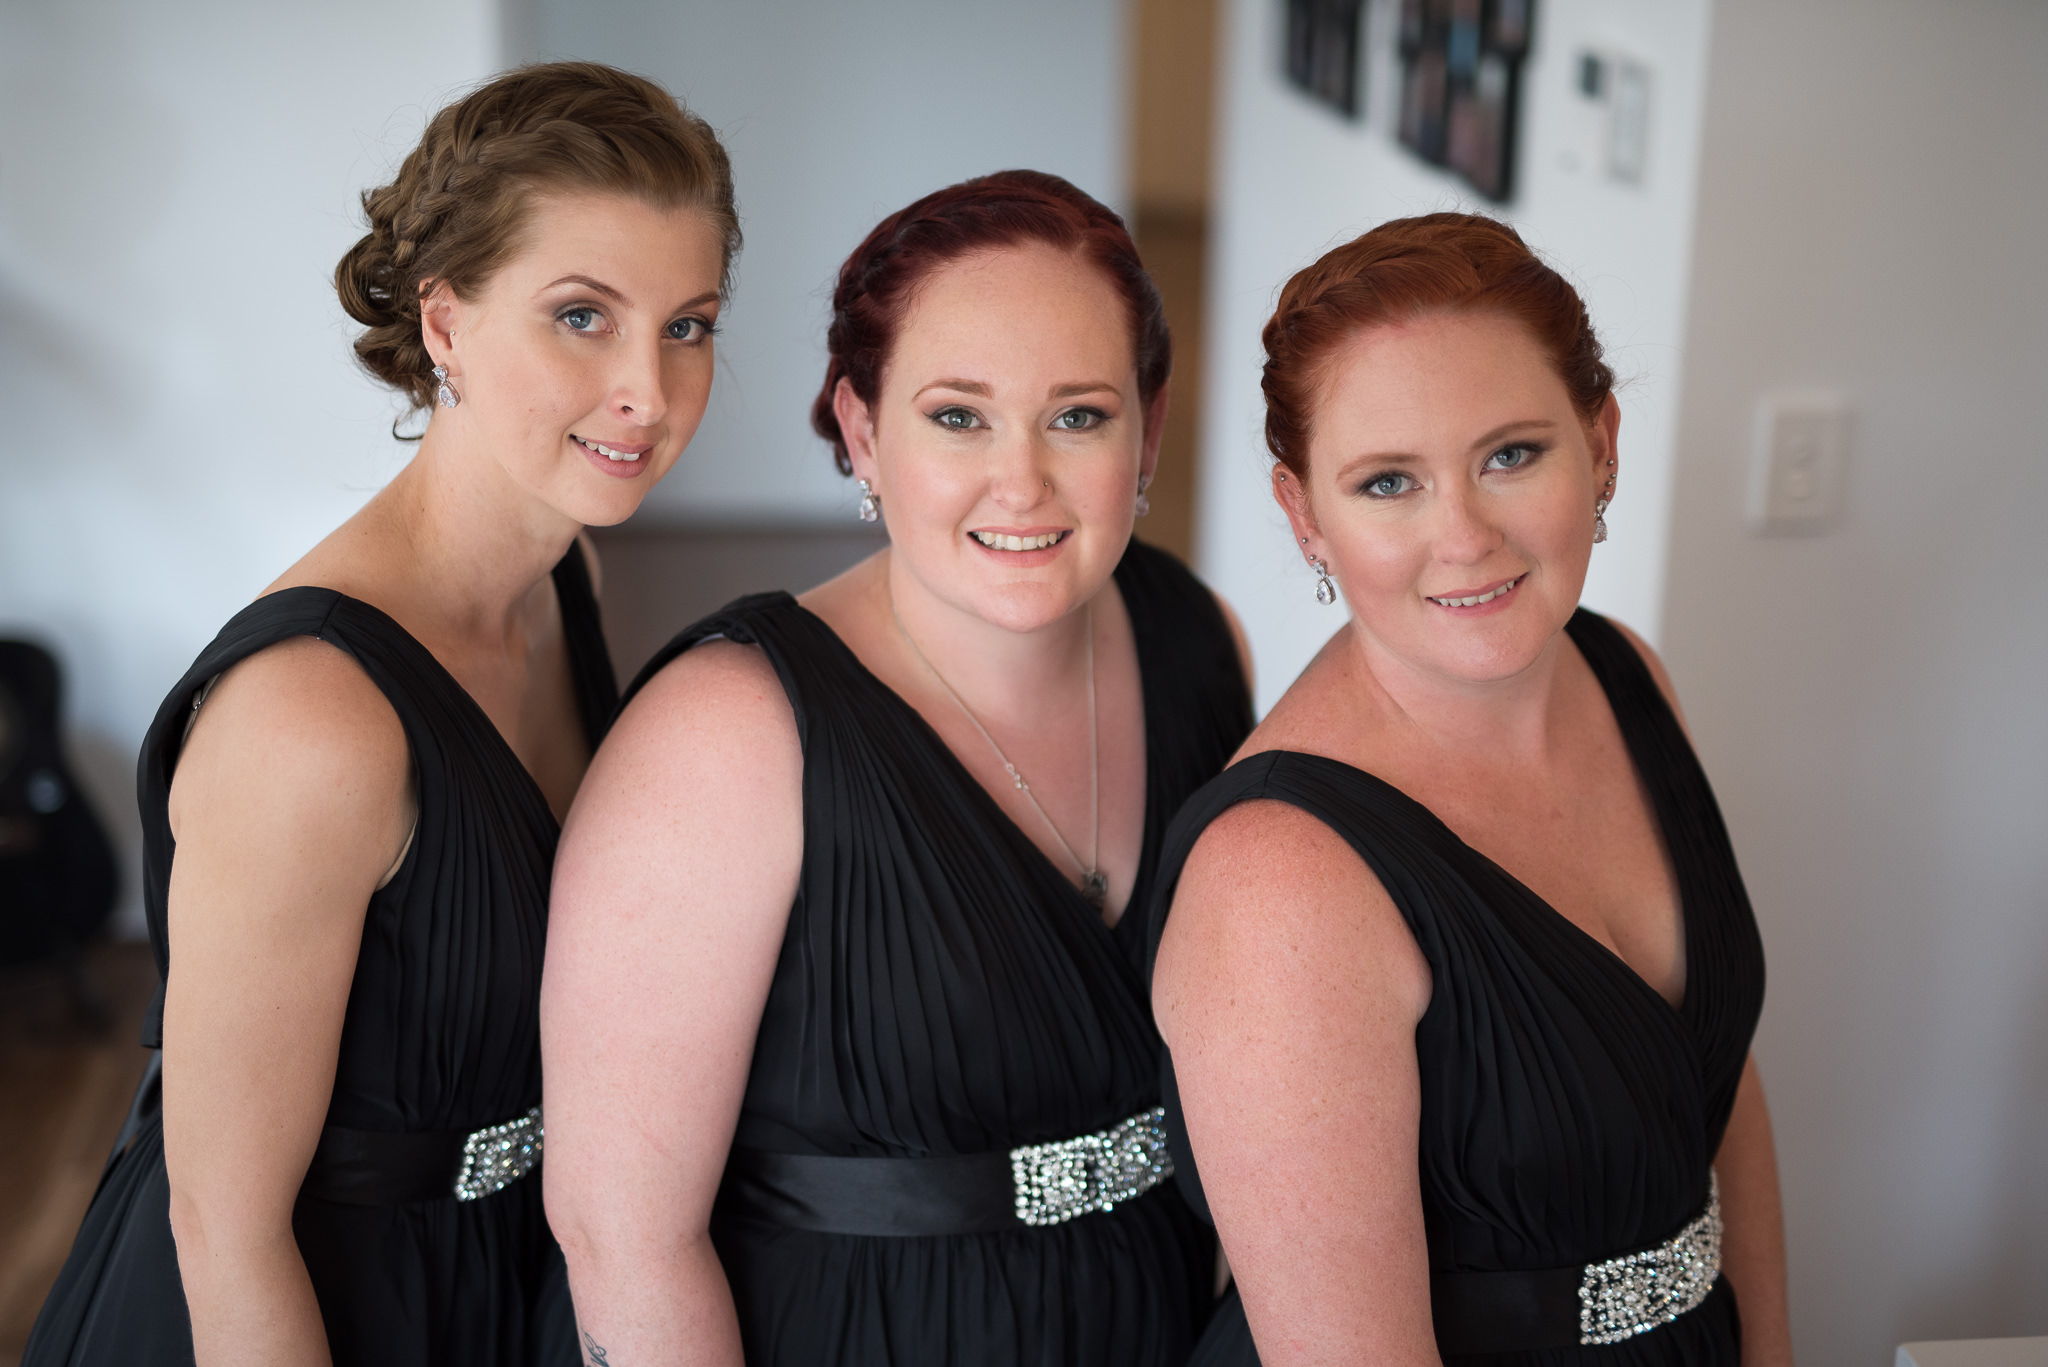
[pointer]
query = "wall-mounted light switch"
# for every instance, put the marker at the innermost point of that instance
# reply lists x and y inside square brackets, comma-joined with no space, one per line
[1797,460]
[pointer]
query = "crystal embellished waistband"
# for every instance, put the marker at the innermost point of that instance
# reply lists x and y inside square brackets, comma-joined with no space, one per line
[1623,1297]
[1057,1181]
[496,1157]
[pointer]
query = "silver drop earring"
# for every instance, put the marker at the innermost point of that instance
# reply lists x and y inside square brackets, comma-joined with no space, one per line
[1144,504]
[444,392]
[870,505]
[1326,588]
[1600,508]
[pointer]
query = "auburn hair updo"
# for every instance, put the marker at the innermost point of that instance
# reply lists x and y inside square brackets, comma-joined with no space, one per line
[457,208]
[1407,267]
[1006,209]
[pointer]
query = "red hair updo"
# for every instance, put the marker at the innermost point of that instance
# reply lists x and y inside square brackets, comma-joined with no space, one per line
[1450,263]
[1007,209]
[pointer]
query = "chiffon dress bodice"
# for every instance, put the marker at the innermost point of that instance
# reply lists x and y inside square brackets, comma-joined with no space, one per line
[1569,1112]
[441,1032]
[944,989]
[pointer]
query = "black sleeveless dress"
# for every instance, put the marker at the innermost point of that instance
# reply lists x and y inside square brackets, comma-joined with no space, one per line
[1569,1113]
[944,990]
[441,1035]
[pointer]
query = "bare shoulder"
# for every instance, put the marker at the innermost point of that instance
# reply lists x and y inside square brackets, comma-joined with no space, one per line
[1271,894]
[1656,667]
[710,740]
[297,714]
[718,689]
[296,764]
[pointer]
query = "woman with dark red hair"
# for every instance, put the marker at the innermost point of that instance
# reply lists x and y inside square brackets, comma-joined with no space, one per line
[1460,976]
[847,1050]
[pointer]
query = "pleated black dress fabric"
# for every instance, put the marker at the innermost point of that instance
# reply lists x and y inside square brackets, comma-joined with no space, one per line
[441,1034]
[942,990]
[1569,1113]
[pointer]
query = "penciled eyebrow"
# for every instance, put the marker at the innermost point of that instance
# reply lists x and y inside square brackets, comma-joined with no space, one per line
[606,290]
[980,390]
[1508,429]
[708,297]
[974,387]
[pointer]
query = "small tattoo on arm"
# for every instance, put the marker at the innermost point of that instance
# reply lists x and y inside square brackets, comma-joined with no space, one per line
[596,1352]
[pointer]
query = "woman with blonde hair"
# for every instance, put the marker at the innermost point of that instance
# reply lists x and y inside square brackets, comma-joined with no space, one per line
[350,801]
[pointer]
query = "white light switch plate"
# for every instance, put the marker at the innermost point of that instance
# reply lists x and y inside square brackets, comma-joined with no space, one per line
[1797,460]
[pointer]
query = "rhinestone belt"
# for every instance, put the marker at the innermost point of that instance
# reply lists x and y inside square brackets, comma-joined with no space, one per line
[494,1158]
[1623,1297]
[1056,1182]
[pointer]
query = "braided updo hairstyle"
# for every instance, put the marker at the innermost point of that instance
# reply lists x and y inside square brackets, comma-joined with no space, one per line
[1406,267]
[455,212]
[1006,209]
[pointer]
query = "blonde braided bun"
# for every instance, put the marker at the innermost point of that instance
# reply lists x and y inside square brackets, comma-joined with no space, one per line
[454,213]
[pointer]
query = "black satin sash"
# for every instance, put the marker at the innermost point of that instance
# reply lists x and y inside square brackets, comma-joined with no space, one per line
[1505,1312]
[376,1168]
[890,1197]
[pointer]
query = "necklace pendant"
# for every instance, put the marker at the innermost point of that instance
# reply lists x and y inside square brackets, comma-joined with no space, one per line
[1095,888]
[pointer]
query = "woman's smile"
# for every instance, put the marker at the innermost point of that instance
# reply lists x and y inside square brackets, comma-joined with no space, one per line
[1471,602]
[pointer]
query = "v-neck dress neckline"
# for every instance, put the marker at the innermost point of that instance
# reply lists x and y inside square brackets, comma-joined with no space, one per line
[993,811]
[1661,816]
[944,991]
[1568,1112]
[440,1033]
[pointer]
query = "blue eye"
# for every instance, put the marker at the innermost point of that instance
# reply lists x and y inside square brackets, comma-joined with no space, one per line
[1513,457]
[688,330]
[579,319]
[1080,419]
[1386,485]
[957,419]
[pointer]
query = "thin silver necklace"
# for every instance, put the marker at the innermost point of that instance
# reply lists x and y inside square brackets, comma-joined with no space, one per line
[1094,886]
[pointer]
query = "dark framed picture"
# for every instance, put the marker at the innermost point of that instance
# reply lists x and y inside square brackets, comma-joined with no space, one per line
[1461,69]
[1325,51]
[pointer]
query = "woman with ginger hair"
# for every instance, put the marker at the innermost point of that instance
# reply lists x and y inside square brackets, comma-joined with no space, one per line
[350,800]
[848,1054]
[1460,977]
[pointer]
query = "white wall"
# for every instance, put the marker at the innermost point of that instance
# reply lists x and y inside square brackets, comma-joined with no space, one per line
[836,115]
[1294,180]
[1871,209]
[182,416]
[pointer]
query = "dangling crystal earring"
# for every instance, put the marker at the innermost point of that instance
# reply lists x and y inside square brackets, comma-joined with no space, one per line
[870,505]
[1326,589]
[1600,509]
[1144,505]
[445,392]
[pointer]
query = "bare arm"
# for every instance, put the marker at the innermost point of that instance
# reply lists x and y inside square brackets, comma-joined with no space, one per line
[677,869]
[1753,1240]
[1288,988]
[290,802]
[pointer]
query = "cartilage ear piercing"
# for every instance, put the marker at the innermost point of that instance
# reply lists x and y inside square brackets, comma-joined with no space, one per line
[443,391]
[870,502]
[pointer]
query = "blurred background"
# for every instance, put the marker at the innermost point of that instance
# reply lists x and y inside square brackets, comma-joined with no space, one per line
[1810,231]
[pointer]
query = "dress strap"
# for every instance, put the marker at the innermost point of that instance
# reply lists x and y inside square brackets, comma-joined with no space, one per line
[590,661]
[798,645]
